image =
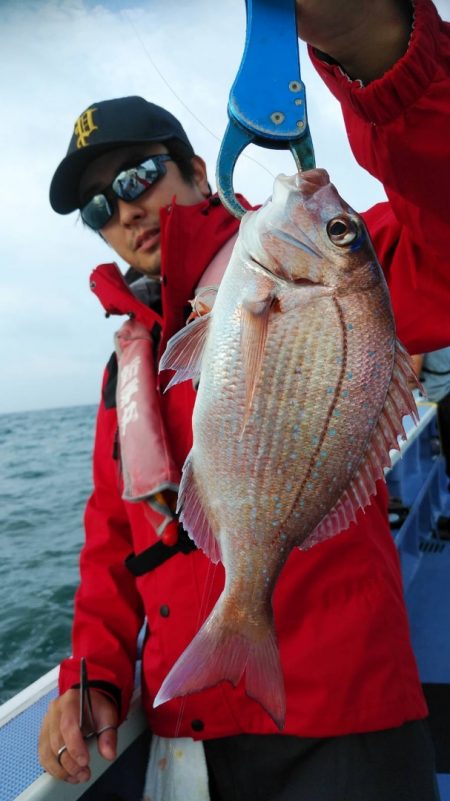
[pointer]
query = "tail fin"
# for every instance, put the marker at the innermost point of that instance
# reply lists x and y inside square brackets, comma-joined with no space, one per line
[219,653]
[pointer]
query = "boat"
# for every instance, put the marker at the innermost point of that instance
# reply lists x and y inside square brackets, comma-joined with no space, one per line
[420,518]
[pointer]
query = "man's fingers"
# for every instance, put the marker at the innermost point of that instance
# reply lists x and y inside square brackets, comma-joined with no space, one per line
[61,737]
[61,728]
[106,721]
[50,747]
[107,742]
[46,754]
[69,769]
[72,737]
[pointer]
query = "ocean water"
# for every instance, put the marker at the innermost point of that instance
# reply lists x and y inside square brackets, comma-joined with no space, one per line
[45,480]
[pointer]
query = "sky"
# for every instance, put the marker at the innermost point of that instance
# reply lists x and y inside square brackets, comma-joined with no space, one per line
[56,58]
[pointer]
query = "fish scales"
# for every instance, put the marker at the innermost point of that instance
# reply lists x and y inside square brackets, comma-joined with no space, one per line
[273,444]
[302,389]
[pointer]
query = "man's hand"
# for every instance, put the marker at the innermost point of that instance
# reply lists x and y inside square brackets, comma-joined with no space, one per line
[61,727]
[366,37]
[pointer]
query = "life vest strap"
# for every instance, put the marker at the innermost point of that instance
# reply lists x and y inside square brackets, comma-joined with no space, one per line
[157,554]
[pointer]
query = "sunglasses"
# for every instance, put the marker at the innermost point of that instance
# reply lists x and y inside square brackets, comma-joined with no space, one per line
[128,185]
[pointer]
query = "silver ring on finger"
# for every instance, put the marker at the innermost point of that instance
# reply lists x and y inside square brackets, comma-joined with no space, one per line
[60,753]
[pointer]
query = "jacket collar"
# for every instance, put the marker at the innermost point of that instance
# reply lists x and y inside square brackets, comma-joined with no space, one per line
[190,238]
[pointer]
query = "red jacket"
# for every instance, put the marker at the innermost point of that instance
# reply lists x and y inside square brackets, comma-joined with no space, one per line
[339,610]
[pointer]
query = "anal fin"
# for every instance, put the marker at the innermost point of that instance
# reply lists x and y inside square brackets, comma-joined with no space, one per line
[192,514]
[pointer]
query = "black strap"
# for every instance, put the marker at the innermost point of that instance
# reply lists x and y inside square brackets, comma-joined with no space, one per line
[109,390]
[157,554]
[107,688]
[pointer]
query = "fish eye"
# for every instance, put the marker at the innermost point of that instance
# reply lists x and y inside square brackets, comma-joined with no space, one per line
[341,231]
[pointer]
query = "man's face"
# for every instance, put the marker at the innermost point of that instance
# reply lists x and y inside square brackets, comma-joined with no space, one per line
[133,231]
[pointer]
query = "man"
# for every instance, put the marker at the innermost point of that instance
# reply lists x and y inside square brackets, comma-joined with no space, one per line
[433,369]
[354,726]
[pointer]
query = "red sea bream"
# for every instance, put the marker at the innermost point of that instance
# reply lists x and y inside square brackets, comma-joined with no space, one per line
[303,386]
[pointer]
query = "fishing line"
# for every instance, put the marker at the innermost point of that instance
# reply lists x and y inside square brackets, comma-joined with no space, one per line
[173,747]
[211,568]
[201,616]
[180,100]
[204,602]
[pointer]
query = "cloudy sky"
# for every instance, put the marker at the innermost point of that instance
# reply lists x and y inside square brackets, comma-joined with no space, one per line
[56,58]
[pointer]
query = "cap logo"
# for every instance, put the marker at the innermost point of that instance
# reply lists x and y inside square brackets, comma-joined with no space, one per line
[84,126]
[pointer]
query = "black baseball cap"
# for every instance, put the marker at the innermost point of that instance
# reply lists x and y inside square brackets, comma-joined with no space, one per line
[105,126]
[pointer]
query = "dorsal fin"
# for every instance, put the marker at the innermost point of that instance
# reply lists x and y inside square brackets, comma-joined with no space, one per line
[399,402]
[184,351]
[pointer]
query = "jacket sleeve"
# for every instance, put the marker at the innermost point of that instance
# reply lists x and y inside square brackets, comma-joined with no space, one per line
[398,130]
[108,611]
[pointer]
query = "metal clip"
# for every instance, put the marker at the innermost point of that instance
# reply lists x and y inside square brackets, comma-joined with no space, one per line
[86,711]
[87,720]
[267,102]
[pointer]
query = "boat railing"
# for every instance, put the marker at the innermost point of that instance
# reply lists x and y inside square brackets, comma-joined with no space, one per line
[418,490]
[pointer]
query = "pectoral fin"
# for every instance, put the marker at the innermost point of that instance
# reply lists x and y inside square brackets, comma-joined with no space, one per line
[184,351]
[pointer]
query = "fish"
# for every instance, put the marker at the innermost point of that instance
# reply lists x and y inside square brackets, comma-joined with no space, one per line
[303,386]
